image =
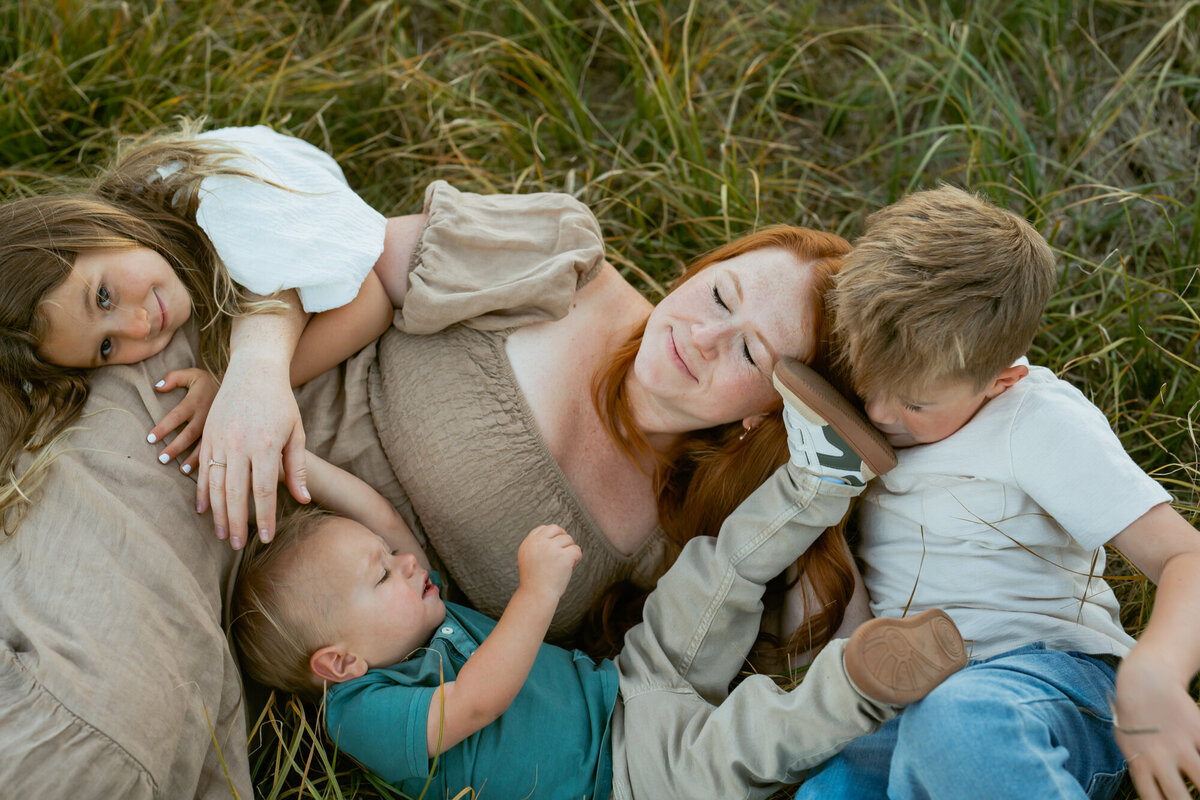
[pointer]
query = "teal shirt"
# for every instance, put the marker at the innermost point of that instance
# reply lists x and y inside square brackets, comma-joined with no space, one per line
[552,742]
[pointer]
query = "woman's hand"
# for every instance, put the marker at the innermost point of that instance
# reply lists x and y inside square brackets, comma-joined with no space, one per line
[253,422]
[191,413]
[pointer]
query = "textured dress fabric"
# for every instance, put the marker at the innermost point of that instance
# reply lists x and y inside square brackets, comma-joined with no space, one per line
[468,466]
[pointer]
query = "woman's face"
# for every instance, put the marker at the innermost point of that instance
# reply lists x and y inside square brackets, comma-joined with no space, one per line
[711,345]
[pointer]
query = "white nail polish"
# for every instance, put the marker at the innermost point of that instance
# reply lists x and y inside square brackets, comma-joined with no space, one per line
[187,469]
[163,458]
[151,438]
[160,384]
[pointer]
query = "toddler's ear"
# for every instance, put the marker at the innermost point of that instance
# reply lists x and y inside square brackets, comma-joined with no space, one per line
[334,664]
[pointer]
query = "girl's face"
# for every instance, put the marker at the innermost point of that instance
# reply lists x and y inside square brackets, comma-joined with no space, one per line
[711,345]
[115,307]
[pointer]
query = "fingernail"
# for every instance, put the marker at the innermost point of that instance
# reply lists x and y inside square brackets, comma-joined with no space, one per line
[151,438]
[221,534]
[304,491]
[163,458]
[236,542]
[160,384]
[264,535]
[187,469]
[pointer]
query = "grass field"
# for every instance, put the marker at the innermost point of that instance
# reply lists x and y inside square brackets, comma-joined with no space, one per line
[684,125]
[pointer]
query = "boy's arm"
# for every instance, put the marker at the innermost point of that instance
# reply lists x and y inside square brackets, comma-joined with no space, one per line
[333,336]
[1158,722]
[489,681]
[345,494]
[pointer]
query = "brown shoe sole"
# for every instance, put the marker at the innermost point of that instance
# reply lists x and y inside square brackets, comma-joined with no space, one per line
[899,661]
[812,396]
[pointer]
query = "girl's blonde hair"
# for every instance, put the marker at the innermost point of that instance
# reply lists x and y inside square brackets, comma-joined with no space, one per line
[713,470]
[130,205]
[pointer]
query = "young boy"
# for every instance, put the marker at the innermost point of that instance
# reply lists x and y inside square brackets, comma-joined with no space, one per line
[348,603]
[1010,483]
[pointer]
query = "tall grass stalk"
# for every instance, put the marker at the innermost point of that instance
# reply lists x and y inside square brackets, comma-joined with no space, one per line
[684,124]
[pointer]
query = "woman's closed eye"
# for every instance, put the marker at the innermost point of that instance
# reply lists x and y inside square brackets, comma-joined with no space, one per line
[716,293]
[717,298]
[747,354]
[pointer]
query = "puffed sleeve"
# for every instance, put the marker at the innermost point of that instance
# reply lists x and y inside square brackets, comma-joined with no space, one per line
[498,261]
[305,229]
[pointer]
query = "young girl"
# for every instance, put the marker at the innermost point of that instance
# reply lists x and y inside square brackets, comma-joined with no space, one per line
[216,224]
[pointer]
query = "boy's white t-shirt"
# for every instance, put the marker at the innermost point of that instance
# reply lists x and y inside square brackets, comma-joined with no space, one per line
[314,234]
[1002,523]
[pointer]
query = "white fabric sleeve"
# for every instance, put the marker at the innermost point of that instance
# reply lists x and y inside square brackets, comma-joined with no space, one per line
[314,234]
[1067,458]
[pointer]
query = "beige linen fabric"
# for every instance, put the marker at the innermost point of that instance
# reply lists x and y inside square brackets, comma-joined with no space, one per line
[456,428]
[115,676]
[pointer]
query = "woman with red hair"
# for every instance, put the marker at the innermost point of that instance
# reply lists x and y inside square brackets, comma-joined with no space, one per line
[525,382]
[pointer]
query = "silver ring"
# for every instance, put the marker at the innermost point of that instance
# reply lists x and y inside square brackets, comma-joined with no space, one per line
[212,463]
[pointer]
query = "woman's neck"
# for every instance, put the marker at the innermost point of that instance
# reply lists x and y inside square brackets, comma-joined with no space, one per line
[656,427]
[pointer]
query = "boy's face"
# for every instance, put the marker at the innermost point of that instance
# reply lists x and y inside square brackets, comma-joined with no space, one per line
[936,413]
[381,604]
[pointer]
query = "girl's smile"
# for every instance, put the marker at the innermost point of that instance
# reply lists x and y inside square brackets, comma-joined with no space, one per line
[115,307]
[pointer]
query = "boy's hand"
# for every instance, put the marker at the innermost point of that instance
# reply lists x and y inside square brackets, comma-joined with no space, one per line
[191,412]
[546,559]
[1157,728]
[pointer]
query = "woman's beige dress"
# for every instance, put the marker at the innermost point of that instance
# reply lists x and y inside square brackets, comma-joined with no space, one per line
[432,415]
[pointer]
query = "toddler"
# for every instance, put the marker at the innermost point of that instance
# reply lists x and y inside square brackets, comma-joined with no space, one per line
[1009,483]
[348,602]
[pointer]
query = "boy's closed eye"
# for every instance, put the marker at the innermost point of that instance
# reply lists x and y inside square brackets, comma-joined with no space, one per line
[386,572]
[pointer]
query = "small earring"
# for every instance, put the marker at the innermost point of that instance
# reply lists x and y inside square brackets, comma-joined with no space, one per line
[744,432]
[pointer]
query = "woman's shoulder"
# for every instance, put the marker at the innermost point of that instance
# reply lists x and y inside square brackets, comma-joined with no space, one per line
[611,296]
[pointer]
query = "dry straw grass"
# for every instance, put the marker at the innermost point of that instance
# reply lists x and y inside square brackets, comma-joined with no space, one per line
[684,124]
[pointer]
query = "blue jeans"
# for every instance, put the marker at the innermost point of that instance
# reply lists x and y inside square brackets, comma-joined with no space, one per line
[1031,722]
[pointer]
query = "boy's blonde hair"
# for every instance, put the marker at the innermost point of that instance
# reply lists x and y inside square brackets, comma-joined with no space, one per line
[276,624]
[942,285]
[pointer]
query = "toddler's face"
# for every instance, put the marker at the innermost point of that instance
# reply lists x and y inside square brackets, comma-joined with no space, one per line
[116,307]
[938,412]
[381,604]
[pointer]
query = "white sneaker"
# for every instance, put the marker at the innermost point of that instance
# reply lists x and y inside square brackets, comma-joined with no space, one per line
[827,436]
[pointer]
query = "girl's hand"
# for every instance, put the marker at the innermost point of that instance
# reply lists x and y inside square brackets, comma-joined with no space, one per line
[546,560]
[191,412]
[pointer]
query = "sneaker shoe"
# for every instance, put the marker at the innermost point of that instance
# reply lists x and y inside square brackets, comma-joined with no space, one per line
[827,435]
[899,661]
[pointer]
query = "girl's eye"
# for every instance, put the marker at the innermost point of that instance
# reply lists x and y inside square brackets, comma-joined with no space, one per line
[717,298]
[105,348]
[746,351]
[386,574]
[102,298]
[911,407]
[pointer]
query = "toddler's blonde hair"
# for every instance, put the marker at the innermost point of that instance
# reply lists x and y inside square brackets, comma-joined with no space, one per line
[276,622]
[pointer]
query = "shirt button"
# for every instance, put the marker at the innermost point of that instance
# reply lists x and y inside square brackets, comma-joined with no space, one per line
[446,631]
